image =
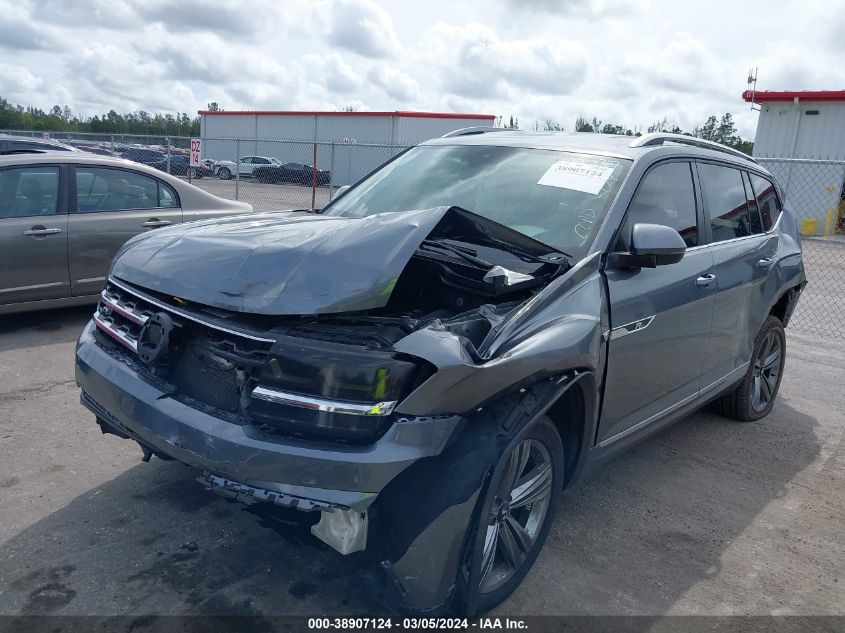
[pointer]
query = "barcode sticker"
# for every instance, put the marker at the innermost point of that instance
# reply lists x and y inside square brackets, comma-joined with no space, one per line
[568,174]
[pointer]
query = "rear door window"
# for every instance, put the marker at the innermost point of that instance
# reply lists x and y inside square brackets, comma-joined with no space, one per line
[167,197]
[754,212]
[665,196]
[725,201]
[100,189]
[767,200]
[29,191]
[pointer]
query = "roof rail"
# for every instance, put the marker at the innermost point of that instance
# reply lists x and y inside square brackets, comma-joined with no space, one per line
[659,138]
[476,129]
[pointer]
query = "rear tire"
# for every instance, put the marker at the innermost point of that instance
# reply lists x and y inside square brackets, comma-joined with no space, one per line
[224,173]
[514,519]
[755,395]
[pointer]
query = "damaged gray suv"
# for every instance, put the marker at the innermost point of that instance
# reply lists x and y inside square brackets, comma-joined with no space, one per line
[425,364]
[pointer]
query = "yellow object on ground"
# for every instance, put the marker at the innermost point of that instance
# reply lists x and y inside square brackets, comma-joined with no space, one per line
[828,222]
[808,227]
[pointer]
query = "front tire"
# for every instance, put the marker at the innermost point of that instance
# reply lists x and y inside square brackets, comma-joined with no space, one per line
[224,173]
[755,396]
[520,513]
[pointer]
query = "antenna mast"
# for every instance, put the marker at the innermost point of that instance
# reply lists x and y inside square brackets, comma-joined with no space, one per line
[752,86]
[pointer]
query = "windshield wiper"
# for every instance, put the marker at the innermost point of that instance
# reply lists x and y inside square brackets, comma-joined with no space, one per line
[466,253]
[525,255]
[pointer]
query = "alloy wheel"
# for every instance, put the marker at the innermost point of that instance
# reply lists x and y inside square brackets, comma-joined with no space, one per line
[516,515]
[767,367]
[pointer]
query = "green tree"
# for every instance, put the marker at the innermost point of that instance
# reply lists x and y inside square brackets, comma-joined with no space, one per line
[582,125]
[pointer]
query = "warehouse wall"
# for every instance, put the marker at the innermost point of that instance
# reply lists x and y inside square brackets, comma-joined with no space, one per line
[360,143]
[785,130]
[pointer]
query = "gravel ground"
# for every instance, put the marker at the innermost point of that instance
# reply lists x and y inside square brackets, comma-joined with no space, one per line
[708,517]
[263,196]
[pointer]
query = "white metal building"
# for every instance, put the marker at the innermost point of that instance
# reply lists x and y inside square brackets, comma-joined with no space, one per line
[350,144]
[808,125]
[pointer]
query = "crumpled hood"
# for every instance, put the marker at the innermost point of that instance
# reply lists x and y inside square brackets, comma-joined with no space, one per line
[279,263]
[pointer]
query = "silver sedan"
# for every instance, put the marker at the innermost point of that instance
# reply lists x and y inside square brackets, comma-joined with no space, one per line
[64,215]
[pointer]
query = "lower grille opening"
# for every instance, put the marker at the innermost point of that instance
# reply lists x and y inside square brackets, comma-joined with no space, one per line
[200,374]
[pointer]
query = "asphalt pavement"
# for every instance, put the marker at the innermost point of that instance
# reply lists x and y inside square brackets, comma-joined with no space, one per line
[708,517]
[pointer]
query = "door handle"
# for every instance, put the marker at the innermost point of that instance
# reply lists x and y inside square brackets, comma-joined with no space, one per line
[40,231]
[705,280]
[153,222]
[764,263]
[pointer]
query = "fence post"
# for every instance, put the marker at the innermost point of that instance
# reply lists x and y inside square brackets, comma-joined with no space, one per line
[167,140]
[331,173]
[237,168]
[111,139]
[314,179]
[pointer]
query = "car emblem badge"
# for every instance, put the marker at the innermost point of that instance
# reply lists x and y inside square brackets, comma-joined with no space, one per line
[154,338]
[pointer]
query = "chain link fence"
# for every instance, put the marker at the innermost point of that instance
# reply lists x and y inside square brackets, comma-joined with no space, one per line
[290,174]
[814,190]
[269,174]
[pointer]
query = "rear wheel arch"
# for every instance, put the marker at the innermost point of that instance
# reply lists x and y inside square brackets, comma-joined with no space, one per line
[785,304]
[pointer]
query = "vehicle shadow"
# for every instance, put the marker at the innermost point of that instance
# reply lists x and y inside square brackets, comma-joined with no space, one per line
[631,539]
[44,327]
[640,532]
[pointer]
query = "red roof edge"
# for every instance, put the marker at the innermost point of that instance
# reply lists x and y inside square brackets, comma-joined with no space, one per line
[410,115]
[788,95]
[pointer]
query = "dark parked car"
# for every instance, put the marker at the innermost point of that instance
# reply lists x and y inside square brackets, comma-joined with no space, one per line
[292,173]
[25,144]
[454,340]
[143,156]
[181,166]
[96,149]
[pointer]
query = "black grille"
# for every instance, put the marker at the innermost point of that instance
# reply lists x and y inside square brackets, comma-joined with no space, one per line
[204,376]
[206,367]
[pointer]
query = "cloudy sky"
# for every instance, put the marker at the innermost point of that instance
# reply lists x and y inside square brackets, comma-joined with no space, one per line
[625,61]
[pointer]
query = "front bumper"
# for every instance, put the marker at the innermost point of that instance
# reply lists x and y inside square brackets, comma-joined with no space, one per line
[317,473]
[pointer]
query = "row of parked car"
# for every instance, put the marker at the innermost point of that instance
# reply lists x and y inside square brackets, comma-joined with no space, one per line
[261,168]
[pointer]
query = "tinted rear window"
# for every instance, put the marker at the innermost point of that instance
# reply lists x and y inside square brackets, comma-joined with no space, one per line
[724,198]
[767,200]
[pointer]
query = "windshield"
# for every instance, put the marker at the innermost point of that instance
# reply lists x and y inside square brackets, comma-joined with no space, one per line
[558,198]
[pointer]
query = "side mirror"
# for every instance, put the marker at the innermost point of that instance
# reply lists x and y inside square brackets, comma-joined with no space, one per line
[339,191]
[652,245]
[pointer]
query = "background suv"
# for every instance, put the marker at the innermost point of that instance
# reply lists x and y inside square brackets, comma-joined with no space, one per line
[427,363]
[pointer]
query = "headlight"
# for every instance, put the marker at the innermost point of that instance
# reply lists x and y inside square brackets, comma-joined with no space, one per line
[322,388]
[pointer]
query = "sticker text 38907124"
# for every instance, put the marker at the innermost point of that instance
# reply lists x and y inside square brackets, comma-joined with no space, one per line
[578,176]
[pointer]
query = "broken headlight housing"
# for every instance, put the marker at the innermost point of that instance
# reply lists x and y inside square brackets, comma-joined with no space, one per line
[322,388]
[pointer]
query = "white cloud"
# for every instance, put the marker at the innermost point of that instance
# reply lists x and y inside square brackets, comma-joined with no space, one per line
[577,8]
[629,62]
[396,84]
[17,80]
[363,27]
[473,61]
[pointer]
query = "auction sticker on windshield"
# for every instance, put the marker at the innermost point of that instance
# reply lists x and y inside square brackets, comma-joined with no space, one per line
[578,176]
